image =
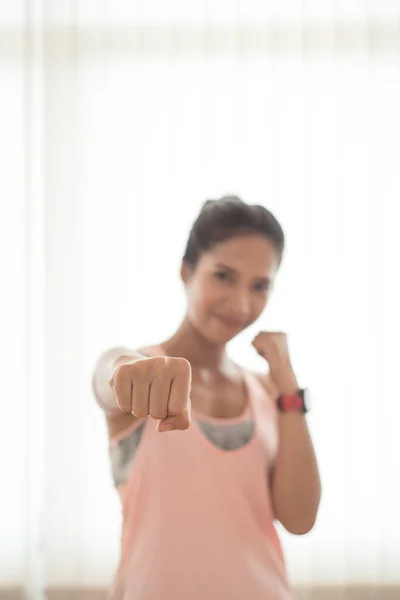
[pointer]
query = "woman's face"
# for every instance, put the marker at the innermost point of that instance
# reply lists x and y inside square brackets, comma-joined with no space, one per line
[230,286]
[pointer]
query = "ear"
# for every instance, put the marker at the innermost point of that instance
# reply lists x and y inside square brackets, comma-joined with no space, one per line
[186,271]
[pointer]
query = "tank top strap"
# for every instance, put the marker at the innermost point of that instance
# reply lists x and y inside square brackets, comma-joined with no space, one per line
[265,412]
[262,401]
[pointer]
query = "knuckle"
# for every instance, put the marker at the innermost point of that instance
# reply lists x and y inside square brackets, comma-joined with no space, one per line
[148,367]
[181,365]
[158,362]
[141,370]
[123,372]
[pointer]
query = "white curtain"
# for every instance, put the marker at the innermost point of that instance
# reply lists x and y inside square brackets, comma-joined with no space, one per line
[118,119]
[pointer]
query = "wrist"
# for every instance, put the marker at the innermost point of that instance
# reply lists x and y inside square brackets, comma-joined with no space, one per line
[289,389]
[296,402]
[285,384]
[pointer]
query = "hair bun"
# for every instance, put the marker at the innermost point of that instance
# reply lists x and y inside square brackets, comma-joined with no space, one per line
[209,202]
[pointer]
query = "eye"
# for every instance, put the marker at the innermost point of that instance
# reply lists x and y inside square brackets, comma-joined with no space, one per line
[222,275]
[262,286]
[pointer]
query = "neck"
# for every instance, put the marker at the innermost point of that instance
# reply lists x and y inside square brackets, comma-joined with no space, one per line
[188,343]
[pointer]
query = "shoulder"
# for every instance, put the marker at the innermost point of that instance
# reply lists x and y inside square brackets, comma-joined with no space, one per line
[151,350]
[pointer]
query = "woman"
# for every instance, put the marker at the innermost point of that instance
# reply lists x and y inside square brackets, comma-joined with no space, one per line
[199,503]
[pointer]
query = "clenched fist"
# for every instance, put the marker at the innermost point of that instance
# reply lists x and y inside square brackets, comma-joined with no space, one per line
[273,347]
[158,387]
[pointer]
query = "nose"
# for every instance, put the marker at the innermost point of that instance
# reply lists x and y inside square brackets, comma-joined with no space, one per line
[240,305]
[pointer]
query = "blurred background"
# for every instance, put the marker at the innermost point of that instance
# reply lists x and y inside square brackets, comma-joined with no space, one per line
[117,120]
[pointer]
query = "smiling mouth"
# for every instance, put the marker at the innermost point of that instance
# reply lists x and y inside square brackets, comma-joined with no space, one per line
[231,323]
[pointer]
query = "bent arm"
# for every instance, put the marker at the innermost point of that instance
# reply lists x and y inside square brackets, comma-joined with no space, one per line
[295,479]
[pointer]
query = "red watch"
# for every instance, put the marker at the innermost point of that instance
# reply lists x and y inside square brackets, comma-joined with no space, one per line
[297,402]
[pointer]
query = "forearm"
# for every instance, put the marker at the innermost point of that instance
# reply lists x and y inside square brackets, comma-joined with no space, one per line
[103,372]
[295,484]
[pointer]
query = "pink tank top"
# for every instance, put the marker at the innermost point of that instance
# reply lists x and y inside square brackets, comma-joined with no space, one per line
[197,517]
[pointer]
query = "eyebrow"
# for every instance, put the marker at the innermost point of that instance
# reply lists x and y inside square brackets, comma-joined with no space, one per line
[222,266]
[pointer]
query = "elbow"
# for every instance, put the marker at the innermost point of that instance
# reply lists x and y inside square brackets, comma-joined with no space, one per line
[298,515]
[300,521]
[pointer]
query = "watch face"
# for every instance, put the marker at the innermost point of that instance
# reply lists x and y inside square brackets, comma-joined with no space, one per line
[292,403]
[296,402]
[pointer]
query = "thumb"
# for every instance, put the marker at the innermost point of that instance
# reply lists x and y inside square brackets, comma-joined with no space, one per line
[178,422]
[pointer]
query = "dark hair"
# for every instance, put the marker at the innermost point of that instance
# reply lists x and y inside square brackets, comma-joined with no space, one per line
[227,217]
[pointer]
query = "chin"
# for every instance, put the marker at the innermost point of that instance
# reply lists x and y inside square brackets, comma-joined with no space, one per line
[219,337]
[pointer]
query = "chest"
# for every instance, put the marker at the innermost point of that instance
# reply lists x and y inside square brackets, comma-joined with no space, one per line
[218,398]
